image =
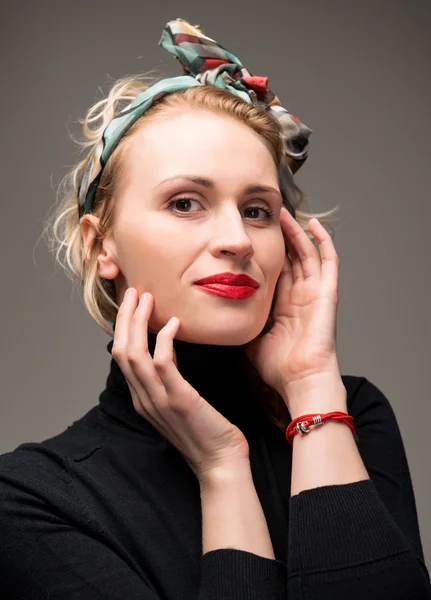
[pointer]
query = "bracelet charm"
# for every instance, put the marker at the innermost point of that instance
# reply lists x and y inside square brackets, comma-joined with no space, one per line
[302,426]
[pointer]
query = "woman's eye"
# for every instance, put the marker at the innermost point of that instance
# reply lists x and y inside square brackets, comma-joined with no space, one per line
[268,213]
[184,202]
[180,202]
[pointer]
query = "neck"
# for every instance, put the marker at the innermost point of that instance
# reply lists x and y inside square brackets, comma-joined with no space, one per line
[220,374]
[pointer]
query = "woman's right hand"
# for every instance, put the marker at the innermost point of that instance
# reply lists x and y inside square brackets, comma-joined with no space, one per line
[205,438]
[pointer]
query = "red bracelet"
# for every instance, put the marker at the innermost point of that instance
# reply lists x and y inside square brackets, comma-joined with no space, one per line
[302,424]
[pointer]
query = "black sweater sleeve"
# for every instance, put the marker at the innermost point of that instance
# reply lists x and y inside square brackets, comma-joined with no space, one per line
[361,540]
[46,550]
[43,555]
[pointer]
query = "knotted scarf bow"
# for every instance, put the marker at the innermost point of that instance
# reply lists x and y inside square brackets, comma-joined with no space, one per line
[205,62]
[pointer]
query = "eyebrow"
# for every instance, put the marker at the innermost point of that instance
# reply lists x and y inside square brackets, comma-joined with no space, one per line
[210,184]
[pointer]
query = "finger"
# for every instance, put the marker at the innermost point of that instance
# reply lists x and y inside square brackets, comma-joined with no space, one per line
[301,248]
[121,333]
[295,264]
[164,355]
[287,272]
[293,257]
[297,270]
[121,344]
[138,354]
[329,257]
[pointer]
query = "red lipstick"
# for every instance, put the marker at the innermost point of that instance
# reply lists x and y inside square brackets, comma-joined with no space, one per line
[229,285]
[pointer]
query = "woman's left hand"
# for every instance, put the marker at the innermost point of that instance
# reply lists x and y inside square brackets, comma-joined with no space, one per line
[301,345]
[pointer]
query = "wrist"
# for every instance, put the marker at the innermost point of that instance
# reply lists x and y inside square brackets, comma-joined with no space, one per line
[317,409]
[225,474]
[318,394]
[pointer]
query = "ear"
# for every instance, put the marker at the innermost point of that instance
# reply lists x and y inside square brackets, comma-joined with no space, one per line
[106,263]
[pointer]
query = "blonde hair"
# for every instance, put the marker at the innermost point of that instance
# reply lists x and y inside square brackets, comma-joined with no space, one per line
[62,225]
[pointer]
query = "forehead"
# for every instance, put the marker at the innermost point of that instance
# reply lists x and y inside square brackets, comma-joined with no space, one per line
[198,141]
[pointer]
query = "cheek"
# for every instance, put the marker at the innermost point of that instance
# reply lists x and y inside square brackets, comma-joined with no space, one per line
[152,258]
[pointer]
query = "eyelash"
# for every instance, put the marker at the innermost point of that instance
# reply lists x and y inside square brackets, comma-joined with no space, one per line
[268,212]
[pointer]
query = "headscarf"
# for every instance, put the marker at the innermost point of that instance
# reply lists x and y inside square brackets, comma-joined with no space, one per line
[204,62]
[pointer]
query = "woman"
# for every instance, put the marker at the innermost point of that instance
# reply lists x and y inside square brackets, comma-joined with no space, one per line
[181,483]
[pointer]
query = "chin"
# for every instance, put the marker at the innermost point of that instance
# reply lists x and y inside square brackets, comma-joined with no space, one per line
[218,336]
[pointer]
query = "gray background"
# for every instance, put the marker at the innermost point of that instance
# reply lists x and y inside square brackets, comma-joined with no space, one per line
[353,71]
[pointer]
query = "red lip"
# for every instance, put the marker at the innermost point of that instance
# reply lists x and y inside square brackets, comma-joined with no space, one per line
[238,292]
[231,279]
[229,285]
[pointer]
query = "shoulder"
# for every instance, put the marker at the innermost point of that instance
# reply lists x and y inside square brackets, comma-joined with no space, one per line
[365,397]
[357,384]
[43,468]
[38,485]
[374,418]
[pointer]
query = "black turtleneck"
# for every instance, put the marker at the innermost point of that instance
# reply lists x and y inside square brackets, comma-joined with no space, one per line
[108,508]
[218,373]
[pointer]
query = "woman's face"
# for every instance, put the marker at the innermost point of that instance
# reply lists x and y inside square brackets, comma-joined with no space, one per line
[171,231]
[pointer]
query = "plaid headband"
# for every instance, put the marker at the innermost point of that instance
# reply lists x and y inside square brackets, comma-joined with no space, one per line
[204,62]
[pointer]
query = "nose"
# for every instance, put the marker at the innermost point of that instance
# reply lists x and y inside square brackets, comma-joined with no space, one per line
[228,235]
